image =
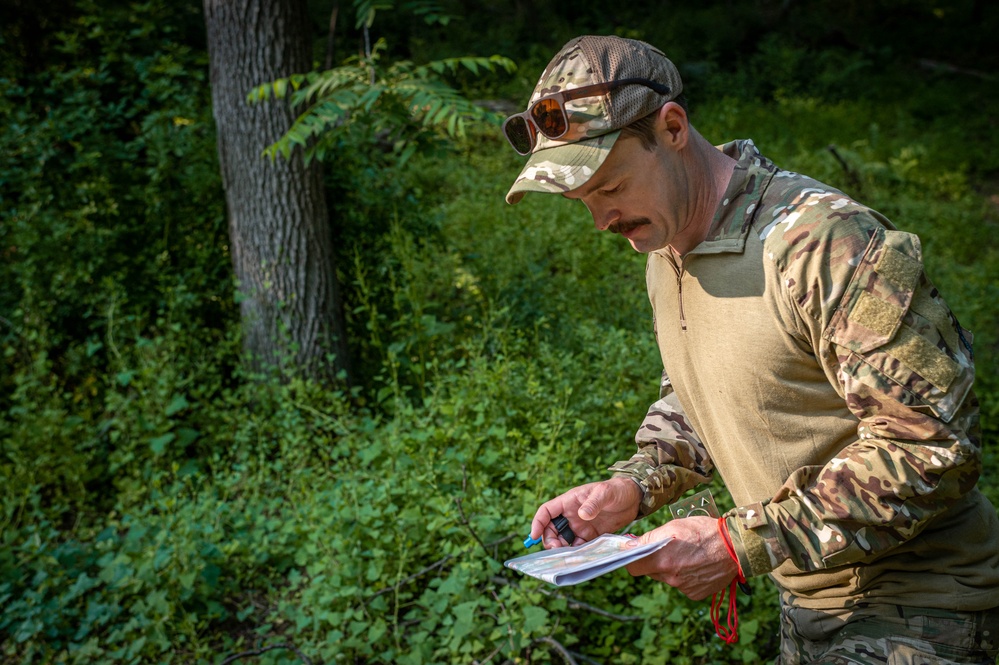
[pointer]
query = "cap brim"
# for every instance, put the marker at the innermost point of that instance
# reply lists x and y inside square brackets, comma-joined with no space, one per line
[562,168]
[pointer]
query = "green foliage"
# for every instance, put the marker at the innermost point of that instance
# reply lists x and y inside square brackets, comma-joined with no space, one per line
[100,187]
[162,506]
[431,11]
[397,103]
[112,230]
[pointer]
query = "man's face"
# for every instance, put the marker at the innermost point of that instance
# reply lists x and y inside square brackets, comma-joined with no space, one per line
[641,194]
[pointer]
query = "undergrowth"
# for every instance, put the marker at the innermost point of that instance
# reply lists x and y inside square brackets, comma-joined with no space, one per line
[162,505]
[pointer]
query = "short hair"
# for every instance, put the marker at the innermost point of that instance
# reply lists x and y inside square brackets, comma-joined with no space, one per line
[644,129]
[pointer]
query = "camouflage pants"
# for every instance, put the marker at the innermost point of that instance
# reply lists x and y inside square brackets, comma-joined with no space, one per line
[906,636]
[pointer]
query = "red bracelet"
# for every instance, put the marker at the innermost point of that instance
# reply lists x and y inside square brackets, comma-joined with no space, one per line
[730,633]
[727,540]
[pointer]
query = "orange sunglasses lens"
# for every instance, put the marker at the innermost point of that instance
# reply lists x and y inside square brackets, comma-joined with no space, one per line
[549,117]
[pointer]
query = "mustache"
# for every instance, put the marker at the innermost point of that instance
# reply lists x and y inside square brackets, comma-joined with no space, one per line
[627,225]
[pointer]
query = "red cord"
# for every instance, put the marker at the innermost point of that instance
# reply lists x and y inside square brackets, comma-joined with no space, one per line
[730,633]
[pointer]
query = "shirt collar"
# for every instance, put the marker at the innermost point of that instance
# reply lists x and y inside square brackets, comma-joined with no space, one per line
[734,216]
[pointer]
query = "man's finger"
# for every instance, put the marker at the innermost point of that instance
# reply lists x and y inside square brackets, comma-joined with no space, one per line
[543,518]
[645,566]
[594,503]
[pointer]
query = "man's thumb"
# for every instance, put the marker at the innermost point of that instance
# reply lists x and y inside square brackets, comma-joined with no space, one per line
[591,507]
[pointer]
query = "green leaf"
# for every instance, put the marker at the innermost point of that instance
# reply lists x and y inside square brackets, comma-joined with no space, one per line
[371,96]
[186,436]
[177,404]
[535,618]
[464,621]
[377,630]
[159,444]
[406,153]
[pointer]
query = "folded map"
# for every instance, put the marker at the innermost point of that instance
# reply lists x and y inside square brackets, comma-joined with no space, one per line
[564,566]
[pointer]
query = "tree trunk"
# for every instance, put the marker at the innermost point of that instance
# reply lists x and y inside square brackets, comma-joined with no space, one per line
[279,227]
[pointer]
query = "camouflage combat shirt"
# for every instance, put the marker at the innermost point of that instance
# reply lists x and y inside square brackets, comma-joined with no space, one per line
[809,360]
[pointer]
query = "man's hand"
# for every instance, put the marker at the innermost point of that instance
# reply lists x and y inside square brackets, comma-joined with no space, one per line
[591,509]
[696,562]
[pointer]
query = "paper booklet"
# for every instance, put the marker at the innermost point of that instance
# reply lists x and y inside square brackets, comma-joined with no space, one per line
[564,566]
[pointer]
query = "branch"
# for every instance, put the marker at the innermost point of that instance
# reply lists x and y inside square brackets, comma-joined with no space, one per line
[467,525]
[262,650]
[573,603]
[583,657]
[850,173]
[937,66]
[489,657]
[555,644]
[464,520]
[330,39]
[434,566]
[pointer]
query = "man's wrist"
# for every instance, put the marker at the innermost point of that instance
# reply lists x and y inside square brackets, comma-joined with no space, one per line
[635,487]
[647,478]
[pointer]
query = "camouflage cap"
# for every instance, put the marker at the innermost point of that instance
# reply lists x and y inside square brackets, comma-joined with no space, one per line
[563,164]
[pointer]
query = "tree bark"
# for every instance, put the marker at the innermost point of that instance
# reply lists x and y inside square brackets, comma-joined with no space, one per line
[279,228]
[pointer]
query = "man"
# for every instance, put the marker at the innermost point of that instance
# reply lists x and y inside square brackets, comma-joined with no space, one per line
[807,359]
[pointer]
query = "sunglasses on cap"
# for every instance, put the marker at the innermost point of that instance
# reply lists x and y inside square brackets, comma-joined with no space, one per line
[548,115]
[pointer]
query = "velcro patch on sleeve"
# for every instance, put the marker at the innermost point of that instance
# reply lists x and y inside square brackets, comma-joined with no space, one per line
[923,358]
[878,315]
[756,552]
[879,293]
[898,268]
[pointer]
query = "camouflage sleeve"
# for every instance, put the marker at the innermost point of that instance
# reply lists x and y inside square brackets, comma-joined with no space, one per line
[670,459]
[896,354]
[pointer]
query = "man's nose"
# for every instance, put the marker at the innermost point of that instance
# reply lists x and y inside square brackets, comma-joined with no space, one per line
[604,217]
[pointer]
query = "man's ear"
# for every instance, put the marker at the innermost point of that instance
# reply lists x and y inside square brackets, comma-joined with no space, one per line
[672,125]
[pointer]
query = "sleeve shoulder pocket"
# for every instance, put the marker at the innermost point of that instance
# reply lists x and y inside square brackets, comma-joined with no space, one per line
[902,339]
[879,294]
